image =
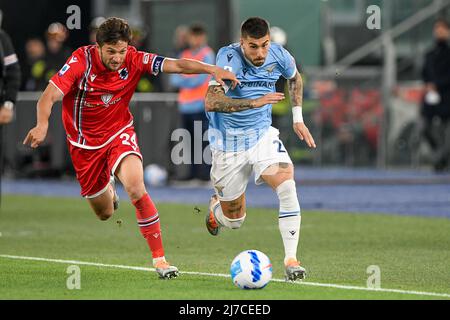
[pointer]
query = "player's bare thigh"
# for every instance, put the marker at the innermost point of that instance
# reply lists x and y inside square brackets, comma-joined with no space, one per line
[130,173]
[234,209]
[278,173]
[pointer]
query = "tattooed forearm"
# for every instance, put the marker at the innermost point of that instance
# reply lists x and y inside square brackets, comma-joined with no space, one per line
[217,101]
[296,90]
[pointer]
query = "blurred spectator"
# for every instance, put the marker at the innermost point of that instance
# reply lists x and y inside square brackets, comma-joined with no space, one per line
[35,66]
[57,51]
[180,43]
[436,102]
[180,40]
[9,78]
[147,83]
[9,86]
[93,27]
[191,98]
[349,120]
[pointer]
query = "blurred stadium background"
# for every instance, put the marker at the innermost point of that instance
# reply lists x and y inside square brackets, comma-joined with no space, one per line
[362,98]
[362,92]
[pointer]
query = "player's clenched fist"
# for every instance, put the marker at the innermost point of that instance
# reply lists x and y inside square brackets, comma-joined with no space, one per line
[36,136]
[221,74]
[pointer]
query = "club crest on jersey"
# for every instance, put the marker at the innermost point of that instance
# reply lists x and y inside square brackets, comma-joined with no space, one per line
[63,70]
[269,69]
[123,73]
[106,98]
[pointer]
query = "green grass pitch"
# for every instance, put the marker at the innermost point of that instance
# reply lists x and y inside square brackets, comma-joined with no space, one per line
[413,253]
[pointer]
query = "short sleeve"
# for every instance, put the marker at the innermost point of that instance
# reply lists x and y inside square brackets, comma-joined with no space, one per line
[150,62]
[70,73]
[228,60]
[289,67]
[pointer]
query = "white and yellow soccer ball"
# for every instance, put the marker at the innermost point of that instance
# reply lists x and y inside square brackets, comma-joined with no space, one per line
[251,269]
[155,175]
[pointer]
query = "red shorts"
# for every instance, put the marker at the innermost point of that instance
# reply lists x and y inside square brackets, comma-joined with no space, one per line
[95,167]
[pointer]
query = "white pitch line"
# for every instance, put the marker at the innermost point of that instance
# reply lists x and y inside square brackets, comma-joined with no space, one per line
[315,284]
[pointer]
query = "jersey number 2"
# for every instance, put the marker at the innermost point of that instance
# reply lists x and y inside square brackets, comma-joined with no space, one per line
[280,146]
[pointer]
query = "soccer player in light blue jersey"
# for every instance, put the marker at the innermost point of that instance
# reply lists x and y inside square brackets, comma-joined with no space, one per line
[243,141]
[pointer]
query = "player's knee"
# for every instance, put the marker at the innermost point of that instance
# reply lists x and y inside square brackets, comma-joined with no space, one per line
[136,192]
[234,223]
[104,215]
[287,194]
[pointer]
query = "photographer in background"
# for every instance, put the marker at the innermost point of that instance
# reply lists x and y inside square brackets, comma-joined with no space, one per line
[436,103]
[9,85]
[9,78]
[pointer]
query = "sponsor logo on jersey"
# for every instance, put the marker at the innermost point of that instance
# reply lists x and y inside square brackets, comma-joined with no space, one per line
[63,70]
[123,73]
[106,98]
[146,58]
[253,84]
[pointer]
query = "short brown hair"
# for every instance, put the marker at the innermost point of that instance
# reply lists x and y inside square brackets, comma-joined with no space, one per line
[442,21]
[113,30]
[197,29]
[255,27]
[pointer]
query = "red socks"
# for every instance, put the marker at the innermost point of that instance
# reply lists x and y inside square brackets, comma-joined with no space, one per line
[148,221]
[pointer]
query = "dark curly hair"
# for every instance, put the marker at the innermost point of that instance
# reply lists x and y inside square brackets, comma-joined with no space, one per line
[113,30]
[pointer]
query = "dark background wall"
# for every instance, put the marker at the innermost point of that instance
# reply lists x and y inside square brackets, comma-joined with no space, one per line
[24,19]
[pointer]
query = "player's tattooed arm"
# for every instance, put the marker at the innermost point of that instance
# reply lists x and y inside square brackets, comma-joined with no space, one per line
[296,90]
[296,93]
[217,101]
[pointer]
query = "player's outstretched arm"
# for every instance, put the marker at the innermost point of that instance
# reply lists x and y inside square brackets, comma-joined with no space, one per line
[190,66]
[44,108]
[217,101]
[296,93]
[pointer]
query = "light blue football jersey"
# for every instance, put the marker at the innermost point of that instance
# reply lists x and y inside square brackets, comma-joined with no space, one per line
[239,131]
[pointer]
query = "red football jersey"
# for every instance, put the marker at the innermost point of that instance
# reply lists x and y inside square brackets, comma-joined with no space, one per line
[95,103]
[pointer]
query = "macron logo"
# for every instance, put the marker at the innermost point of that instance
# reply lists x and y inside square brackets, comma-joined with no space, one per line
[93,76]
[73,59]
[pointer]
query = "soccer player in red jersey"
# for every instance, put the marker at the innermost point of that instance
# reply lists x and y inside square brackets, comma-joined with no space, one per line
[97,83]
